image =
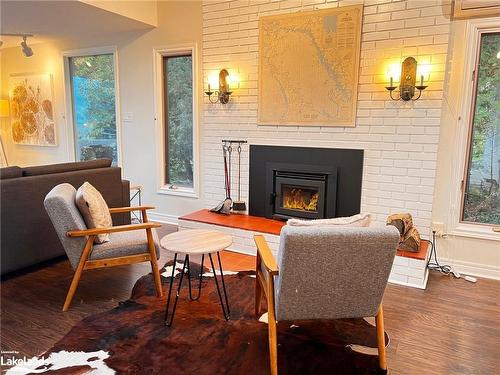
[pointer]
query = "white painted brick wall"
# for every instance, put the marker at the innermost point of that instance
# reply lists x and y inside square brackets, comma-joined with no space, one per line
[400,139]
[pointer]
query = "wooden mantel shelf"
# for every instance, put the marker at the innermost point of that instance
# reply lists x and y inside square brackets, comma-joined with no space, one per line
[237,221]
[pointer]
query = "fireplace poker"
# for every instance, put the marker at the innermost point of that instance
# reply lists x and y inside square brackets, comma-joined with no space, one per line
[224,207]
[229,152]
[239,205]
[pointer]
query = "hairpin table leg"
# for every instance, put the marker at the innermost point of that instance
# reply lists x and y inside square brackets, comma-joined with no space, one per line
[224,308]
[168,322]
[199,280]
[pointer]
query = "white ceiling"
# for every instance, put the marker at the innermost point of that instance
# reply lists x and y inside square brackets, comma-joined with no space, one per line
[59,20]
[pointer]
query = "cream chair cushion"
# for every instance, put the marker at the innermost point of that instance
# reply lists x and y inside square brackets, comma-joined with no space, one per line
[359,220]
[94,210]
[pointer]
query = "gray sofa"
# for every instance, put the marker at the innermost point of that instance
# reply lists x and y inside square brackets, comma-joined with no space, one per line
[27,235]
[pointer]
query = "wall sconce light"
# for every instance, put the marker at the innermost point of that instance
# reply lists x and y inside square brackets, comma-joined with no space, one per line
[223,94]
[4,108]
[407,83]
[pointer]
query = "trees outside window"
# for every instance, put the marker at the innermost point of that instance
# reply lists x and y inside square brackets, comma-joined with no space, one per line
[178,107]
[481,203]
[94,109]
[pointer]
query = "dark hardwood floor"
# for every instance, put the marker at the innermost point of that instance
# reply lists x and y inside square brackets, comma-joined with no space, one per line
[453,327]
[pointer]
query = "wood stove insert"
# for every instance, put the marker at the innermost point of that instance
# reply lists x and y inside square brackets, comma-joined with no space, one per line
[304,182]
[300,191]
[299,194]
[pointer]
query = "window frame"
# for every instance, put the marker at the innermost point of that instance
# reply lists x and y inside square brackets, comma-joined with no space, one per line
[474,30]
[68,96]
[158,54]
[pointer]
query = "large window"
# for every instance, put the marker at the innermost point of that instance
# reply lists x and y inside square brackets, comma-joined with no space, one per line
[92,79]
[178,120]
[481,202]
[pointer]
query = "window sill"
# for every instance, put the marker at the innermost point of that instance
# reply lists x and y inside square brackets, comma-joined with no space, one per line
[180,192]
[475,231]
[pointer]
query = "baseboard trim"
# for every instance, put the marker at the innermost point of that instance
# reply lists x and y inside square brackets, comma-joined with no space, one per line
[240,251]
[163,218]
[473,269]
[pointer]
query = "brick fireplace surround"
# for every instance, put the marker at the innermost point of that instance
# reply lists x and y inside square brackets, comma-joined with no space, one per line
[399,140]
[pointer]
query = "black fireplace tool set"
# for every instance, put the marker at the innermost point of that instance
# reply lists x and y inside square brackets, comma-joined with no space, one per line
[228,204]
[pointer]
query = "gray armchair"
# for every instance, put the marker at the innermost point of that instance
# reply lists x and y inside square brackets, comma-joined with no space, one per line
[128,243]
[325,273]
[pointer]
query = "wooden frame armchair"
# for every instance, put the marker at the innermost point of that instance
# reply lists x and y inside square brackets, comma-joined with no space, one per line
[126,246]
[350,258]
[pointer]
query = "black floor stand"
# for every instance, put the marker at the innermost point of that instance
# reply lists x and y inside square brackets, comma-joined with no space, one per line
[186,267]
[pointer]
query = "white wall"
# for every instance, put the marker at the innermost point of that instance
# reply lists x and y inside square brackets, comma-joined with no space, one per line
[400,139]
[46,59]
[467,254]
[179,22]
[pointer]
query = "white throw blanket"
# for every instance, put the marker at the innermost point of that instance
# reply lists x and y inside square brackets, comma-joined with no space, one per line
[359,220]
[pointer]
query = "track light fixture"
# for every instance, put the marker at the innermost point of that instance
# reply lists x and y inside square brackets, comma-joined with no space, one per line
[27,50]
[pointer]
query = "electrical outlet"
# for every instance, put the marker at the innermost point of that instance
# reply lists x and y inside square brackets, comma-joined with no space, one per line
[439,228]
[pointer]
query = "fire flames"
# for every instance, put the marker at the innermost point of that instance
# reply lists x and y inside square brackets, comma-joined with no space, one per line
[298,199]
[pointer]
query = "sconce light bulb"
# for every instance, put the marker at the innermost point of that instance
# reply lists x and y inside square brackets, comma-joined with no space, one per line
[423,70]
[213,80]
[394,71]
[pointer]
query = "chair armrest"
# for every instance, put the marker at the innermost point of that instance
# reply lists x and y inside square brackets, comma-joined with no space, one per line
[118,228]
[265,254]
[118,210]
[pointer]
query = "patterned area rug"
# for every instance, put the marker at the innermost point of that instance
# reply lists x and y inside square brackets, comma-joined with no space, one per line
[133,339]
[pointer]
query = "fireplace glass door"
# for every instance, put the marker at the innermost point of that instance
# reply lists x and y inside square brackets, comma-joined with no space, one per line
[299,196]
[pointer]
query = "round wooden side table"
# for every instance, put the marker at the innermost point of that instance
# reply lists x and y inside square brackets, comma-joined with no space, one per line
[196,242]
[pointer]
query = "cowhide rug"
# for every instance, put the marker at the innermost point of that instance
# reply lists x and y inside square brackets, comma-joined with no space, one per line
[133,339]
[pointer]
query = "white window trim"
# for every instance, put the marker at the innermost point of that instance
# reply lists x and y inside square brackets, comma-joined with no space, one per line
[158,54]
[68,96]
[458,227]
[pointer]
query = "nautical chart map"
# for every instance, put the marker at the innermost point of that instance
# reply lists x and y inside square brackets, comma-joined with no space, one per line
[308,68]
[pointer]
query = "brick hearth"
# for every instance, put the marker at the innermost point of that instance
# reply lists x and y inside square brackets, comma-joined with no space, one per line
[408,269]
